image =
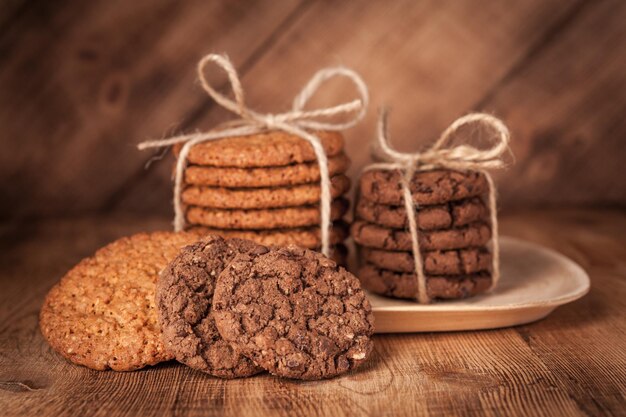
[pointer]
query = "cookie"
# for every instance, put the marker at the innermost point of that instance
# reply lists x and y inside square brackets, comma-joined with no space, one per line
[267,149]
[451,262]
[282,176]
[404,285]
[445,216]
[265,218]
[260,198]
[306,237]
[295,313]
[427,187]
[184,295]
[102,313]
[373,236]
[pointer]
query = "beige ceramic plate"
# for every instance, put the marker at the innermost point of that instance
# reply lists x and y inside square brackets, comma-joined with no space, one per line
[534,282]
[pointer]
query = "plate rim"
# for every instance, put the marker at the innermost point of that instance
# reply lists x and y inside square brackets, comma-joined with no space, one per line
[555,302]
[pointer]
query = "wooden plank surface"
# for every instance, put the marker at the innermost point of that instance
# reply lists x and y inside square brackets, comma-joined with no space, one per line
[430,62]
[418,59]
[566,105]
[571,363]
[83,82]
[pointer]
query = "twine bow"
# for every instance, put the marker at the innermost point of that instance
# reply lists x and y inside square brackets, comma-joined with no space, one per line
[296,122]
[442,155]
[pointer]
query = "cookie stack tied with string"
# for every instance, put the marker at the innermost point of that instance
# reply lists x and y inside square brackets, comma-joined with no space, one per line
[277,179]
[425,223]
[235,187]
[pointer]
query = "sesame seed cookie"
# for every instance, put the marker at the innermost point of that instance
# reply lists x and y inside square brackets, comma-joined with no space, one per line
[281,176]
[102,313]
[266,149]
[262,198]
[275,218]
[306,237]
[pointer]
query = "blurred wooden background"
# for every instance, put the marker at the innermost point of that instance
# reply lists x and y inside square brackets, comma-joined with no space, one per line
[81,83]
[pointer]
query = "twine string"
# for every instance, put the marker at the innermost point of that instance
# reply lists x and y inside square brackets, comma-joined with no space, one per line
[442,155]
[297,122]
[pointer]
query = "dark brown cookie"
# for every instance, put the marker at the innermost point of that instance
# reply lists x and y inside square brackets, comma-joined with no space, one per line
[450,262]
[260,198]
[404,285]
[263,219]
[306,237]
[295,313]
[184,296]
[444,216]
[374,236]
[427,187]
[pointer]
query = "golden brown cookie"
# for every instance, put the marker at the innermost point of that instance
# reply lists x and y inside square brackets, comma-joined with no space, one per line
[261,198]
[444,216]
[295,174]
[268,149]
[404,285]
[295,313]
[277,218]
[427,187]
[306,237]
[102,313]
[450,262]
[373,236]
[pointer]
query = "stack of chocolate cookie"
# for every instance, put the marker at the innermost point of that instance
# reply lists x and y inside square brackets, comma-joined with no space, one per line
[265,187]
[453,226]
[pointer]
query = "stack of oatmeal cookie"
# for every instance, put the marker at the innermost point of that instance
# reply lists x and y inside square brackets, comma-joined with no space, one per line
[266,187]
[453,224]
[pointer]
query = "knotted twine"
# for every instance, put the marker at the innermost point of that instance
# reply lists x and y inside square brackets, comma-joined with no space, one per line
[442,155]
[252,122]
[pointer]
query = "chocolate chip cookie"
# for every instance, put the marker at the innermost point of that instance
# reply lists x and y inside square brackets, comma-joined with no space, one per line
[102,313]
[184,296]
[450,262]
[444,216]
[427,187]
[373,236]
[404,285]
[295,313]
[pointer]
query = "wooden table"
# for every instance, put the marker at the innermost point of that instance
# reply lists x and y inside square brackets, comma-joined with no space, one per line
[571,363]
